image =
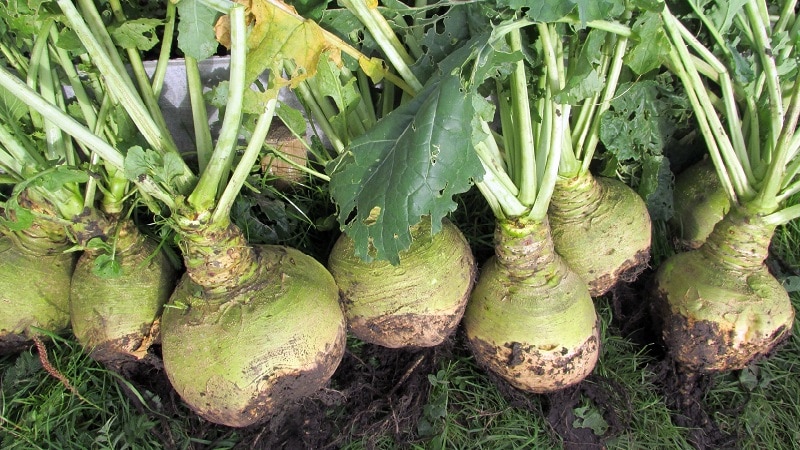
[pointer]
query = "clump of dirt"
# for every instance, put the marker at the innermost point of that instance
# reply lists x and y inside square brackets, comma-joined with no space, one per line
[684,392]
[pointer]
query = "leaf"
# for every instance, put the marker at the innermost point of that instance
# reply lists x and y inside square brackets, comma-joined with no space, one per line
[584,80]
[588,417]
[312,9]
[136,163]
[440,40]
[408,166]
[196,29]
[162,169]
[136,33]
[632,125]
[105,266]
[792,283]
[23,17]
[553,10]
[172,168]
[11,107]
[23,218]
[280,34]
[346,96]
[61,176]
[541,11]
[292,118]
[655,187]
[723,14]
[97,243]
[649,44]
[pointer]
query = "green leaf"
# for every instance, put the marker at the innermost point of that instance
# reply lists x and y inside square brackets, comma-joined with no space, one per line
[633,124]
[408,166]
[655,187]
[97,243]
[584,80]
[589,417]
[162,169]
[11,107]
[136,163]
[23,217]
[346,96]
[553,10]
[172,168]
[60,176]
[542,11]
[312,9]
[723,14]
[649,46]
[792,283]
[292,118]
[440,40]
[138,33]
[105,266]
[196,29]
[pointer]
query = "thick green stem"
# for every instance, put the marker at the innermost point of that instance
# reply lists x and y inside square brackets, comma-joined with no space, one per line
[586,153]
[166,49]
[521,115]
[121,86]
[204,196]
[715,136]
[79,132]
[386,39]
[770,71]
[204,144]
[246,163]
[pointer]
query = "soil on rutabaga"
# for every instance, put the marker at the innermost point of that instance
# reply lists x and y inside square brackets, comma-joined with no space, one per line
[378,395]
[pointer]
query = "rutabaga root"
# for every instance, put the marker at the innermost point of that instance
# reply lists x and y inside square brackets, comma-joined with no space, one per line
[291,147]
[237,357]
[116,319]
[418,303]
[35,279]
[699,202]
[530,319]
[602,229]
[719,307]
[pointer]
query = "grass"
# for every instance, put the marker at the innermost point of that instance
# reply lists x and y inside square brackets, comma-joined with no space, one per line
[622,405]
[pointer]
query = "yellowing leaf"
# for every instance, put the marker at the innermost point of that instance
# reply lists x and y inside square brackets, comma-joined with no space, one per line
[280,34]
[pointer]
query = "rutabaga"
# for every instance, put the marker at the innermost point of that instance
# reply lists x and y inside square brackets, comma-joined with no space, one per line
[719,306]
[116,312]
[249,329]
[530,319]
[34,287]
[700,203]
[406,288]
[416,303]
[601,228]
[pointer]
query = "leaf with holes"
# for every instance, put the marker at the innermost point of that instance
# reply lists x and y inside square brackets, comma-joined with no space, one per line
[408,166]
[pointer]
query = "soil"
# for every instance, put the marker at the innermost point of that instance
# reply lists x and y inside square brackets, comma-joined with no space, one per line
[378,392]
